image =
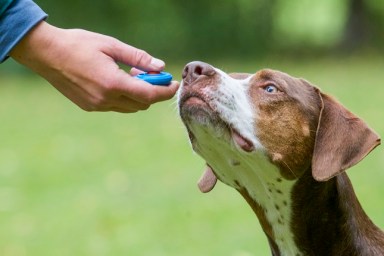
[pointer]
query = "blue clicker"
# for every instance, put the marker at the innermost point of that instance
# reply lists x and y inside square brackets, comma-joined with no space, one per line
[156,78]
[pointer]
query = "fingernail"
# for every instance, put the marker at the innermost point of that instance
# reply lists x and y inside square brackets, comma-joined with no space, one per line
[157,64]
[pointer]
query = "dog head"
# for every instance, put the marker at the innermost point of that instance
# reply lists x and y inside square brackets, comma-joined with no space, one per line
[271,118]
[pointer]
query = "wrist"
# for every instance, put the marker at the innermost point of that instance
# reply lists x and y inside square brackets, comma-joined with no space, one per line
[34,45]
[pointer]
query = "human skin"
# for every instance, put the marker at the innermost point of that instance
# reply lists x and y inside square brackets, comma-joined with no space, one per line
[82,65]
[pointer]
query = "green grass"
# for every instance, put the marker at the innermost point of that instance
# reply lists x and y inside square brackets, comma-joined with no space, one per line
[77,183]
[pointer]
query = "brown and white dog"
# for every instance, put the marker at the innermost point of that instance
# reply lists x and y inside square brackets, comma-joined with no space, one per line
[284,145]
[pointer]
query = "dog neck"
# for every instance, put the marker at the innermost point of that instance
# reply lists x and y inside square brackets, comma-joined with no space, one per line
[258,180]
[319,218]
[301,216]
[327,219]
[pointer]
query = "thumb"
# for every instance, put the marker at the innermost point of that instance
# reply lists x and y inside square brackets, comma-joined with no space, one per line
[134,57]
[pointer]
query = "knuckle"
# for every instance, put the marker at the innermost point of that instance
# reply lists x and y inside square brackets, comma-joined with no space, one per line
[149,98]
[142,57]
[107,83]
[87,108]
[100,102]
[145,107]
[85,105]
[108,87]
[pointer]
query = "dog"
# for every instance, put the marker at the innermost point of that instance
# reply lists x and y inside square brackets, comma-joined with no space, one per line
[284,145]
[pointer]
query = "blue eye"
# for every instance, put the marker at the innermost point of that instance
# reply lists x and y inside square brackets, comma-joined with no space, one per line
[271,89]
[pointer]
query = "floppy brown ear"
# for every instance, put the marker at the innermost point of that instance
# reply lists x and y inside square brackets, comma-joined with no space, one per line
[342,140]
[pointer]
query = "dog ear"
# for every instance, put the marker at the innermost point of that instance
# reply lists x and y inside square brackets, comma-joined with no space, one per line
[342,140]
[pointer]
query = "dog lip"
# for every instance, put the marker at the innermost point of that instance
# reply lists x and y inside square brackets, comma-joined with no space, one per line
[244,143]
[194,99]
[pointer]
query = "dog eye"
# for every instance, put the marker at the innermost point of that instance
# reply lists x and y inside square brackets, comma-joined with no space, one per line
[271,88]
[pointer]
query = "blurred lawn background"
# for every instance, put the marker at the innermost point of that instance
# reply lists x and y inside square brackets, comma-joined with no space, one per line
[77,183]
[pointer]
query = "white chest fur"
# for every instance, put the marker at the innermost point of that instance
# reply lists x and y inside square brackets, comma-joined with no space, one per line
[253,172]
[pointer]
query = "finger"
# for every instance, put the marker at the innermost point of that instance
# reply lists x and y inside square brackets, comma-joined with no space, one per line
[143,92]
[165,92]
[119,110]
[150,94]
[123,104]
[127,104]
[135,72]
[134,57]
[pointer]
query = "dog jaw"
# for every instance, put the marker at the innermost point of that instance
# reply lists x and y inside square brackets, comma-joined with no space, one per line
[220,104]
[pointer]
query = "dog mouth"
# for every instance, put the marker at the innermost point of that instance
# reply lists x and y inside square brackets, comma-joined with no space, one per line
[244,143]
[201,106]
[195,101]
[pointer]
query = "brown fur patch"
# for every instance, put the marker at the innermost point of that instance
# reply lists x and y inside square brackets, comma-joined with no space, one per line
[286,121]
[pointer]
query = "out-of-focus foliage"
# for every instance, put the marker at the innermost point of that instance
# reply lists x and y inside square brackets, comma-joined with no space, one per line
[195,29]
[74,183]
[307,22]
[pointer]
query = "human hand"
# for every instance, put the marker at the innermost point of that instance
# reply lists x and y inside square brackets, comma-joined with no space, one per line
[82,66]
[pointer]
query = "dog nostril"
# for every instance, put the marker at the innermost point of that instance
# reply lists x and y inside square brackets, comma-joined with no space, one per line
[196,69]
[185,72]
[204,69]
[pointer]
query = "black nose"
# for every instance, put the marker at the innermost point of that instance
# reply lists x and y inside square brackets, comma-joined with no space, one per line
[196,69]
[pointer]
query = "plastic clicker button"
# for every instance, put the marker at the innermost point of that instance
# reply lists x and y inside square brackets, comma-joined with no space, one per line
[156,78]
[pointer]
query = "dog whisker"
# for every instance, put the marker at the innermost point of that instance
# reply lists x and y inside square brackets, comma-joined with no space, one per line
[289,168]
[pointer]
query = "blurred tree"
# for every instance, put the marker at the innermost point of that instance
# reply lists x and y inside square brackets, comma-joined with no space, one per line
[363,26]
[356,31]
[185,30]
[230,28]
[173,28]
[301,24]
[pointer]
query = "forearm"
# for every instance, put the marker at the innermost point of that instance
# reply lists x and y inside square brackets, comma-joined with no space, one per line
[15,22]
[82,65]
